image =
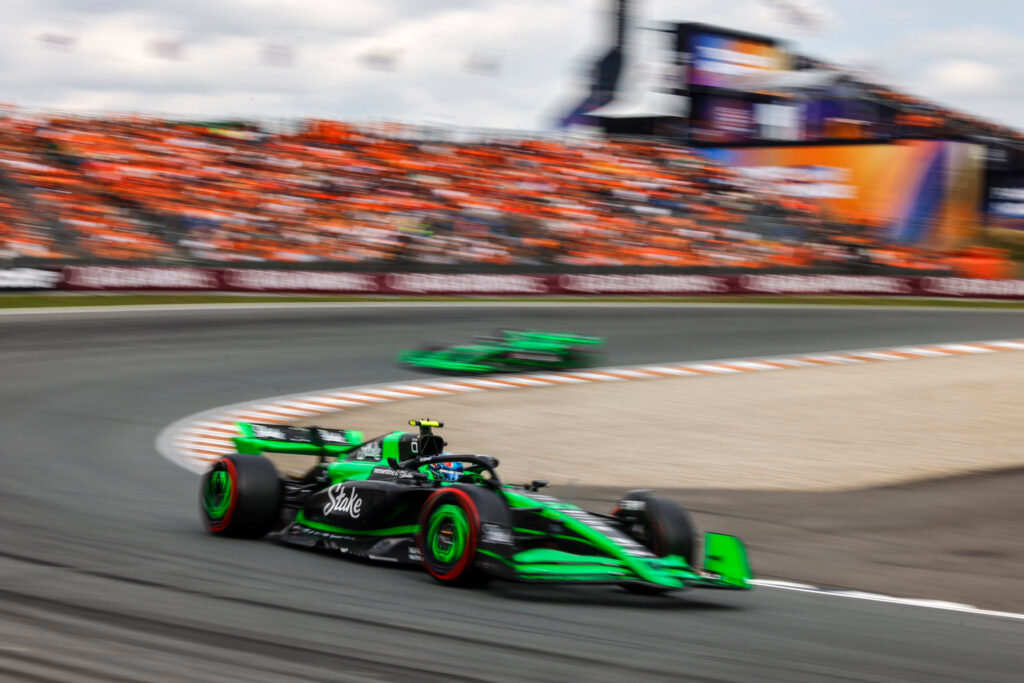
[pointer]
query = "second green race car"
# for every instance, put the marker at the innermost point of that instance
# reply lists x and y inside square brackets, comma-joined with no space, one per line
[509,351]
[401,498]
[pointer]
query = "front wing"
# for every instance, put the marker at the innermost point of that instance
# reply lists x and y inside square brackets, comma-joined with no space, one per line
[725,565]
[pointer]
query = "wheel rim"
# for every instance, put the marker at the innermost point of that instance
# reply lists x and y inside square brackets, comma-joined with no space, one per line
[219,492]
[448,535]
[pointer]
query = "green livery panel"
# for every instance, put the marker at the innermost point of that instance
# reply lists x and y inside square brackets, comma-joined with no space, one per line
[509,351]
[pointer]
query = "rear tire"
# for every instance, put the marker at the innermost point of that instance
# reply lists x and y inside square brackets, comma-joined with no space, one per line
[448,538]
[240,496]
[660,525]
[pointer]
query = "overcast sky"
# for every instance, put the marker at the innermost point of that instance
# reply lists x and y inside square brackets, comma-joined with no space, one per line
[489,63]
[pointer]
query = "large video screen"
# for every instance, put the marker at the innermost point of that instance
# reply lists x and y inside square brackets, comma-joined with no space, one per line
[721,61]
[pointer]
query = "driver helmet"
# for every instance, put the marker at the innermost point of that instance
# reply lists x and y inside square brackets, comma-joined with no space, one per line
[446,471]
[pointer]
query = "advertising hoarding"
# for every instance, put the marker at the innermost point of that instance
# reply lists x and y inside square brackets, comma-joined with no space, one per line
[925,192]
[129,278]
[28,279]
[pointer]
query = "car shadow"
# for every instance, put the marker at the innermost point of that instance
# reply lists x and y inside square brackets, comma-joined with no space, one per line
[602,596]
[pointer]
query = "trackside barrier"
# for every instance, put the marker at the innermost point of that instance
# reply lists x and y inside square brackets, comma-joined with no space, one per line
[270,281]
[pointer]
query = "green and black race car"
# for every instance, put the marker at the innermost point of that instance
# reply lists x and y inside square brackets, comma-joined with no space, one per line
[509,351]
[401,498]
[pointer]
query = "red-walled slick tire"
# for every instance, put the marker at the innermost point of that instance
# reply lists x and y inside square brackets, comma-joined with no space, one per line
[448,537]
[240,496]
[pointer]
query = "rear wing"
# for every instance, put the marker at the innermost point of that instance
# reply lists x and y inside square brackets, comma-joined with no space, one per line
[259,438]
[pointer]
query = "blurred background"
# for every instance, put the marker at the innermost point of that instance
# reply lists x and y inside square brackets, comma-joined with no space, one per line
[517,147]
[787,136]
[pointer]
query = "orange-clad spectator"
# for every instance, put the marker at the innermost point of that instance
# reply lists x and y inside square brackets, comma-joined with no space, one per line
[985,263]
[139,188]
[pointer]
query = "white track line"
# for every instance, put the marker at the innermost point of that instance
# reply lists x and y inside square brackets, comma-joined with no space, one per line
[879,597]
[191,444]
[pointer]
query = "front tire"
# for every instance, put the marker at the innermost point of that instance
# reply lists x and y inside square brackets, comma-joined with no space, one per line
[448,538]
[660,525]
[240,496]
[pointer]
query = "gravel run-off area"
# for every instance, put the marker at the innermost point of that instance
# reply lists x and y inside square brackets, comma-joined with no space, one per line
[807,429]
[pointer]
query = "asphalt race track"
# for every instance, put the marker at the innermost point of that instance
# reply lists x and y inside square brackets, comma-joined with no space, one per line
[106,574]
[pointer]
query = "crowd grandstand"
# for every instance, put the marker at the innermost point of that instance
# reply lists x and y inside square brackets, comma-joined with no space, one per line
[131,188]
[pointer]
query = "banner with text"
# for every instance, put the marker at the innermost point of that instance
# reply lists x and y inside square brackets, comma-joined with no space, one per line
[257,281]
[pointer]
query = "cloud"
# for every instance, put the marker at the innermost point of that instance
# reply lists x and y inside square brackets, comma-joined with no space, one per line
[806,17]
[971,41]
[973,68]
[966,57]
[964,76]
[111,63]
[543,45]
